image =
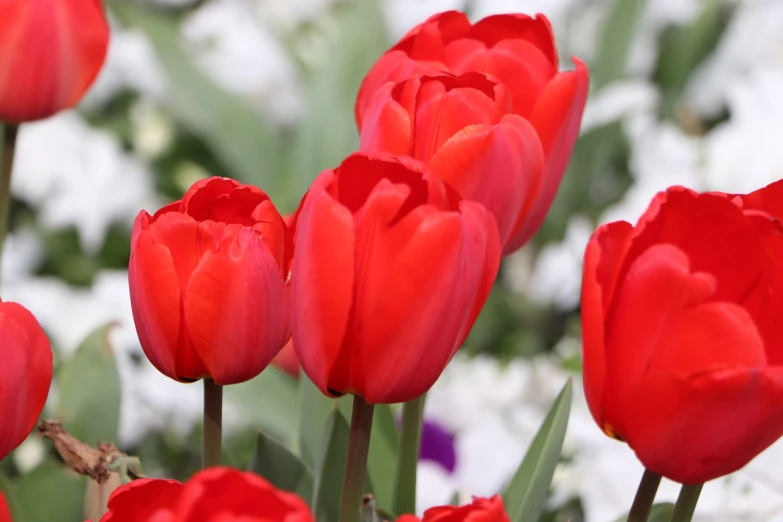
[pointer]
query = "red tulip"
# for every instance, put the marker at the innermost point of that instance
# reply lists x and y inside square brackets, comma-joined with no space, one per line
[286,360]
[390,273]
[51,53]
[516,51]
[212,495]
[683,340]
[481,510]
[5,513]
[462,126]
[25,374]
[208,281]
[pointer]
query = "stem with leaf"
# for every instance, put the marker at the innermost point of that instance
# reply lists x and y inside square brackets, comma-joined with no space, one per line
[352,493]
[213,424]
[408,456]
[645,496]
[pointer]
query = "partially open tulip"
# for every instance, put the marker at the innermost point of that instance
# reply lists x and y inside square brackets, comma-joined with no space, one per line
[50,53]
[25,374]
[514,50]
[480,510]
[208,281]
[391,270]
[464,128]
[212,495]
[682,332]
[5,513]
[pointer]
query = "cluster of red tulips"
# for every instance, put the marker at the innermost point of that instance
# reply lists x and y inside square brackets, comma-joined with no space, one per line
[465,132]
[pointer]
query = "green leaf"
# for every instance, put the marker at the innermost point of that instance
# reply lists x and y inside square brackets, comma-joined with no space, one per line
[526,493]
[659,513]
[330,468]
[268,401]
[328,133]
[49,492]
[617,33]
[382,459]
[89,398]
[236,135]
[314,410]
[282,468]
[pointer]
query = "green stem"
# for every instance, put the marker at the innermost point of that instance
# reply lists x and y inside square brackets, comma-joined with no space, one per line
[10,133]
[213,424]
[408,456]
[645,496]
[686,503]
[352,493]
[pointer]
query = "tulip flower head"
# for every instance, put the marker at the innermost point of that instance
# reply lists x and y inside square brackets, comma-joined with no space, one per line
[480,510]
[51,53]
[682,336]
[479,149]
[25,374]
[391,270]
[5,513]
[209,283]
[211,495]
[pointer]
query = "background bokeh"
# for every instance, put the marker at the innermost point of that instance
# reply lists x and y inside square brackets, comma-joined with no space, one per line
[683,92]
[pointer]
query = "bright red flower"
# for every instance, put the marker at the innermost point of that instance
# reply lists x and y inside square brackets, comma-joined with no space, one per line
[682,332]
[286,360]
[5,512]
[464,128]
[212,495]
[208,281]
[25,374]
[390,273]
[51,53]
[481,510]
[513,50]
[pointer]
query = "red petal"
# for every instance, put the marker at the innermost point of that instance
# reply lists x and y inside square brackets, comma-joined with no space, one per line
[51,55]
[143,499]
[25,374]
[661,322]
[695,428]
[498,29]
[603,259]
[322,281]
[5,513]
[499,166]
[386,126]
[236,309]
[556,117]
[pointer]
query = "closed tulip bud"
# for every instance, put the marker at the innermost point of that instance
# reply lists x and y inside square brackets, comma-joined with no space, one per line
[391,270]
[50,53]
[517,52]
[211,495]
[208,281]
[464,128]
[682,335]
[25,374]
[480,510]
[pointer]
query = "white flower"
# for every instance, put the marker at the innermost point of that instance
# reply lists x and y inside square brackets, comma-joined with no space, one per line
[79,176]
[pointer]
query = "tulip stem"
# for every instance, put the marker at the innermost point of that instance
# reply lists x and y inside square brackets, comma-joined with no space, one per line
[356,461]
[408,456]
[213,424]
[10,133]
[645,496]
[686,503]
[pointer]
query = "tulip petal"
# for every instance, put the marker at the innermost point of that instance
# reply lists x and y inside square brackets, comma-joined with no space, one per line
[673,329]
[386,126]
[500,166]
[695,428]
[144,500]
[603,259]
[155,300]
[322,281]
[236,309]
[556,116]
[499,29]
[25,374]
